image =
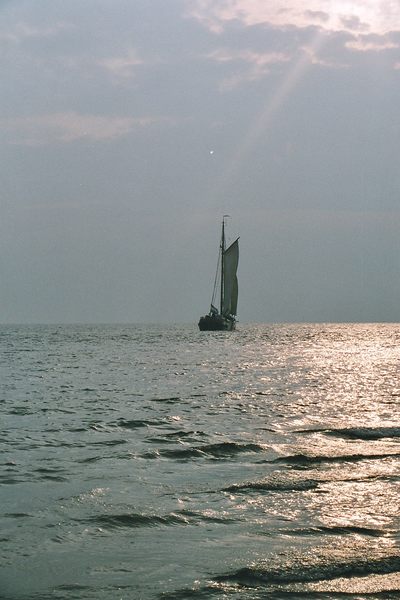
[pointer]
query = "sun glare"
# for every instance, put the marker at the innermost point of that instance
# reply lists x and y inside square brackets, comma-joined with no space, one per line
[355,16]
[364,16]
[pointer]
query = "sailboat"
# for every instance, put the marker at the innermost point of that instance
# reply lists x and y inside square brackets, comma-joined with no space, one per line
[224,318]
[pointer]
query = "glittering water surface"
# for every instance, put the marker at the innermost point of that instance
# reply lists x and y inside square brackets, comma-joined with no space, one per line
[148,462]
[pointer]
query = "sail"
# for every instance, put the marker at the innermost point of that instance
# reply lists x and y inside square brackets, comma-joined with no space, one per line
[230,283]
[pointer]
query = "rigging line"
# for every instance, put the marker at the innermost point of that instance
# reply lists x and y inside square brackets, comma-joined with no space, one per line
[216,281]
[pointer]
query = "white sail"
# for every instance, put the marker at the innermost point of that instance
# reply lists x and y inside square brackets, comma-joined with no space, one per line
[230,283]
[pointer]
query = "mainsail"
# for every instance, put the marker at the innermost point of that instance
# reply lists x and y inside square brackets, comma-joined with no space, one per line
[230,283]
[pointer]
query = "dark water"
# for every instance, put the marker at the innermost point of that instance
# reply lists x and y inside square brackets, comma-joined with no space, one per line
[162,463]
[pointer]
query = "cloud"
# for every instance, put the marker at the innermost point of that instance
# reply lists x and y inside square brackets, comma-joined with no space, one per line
[318,15]
[258,59]
[366,44]
[252,65]
[374,16]
[69,127]
[316,60]
[24,31]
[353,23]
[122,67]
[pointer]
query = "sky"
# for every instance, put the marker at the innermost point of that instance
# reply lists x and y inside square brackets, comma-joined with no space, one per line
[129,127]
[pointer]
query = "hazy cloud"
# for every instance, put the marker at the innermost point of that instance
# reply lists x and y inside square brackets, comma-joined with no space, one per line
[367,44]
[353,23]
[68,127]
[122,67]
[25,31]
[318,15]
[315,59]
[252,65]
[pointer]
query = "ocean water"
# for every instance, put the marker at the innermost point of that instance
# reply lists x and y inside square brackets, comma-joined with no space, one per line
[158,462]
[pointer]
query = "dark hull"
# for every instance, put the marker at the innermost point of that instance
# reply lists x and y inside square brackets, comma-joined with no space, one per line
[216,323]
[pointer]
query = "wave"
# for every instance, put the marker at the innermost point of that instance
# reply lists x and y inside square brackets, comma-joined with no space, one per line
[177,437]
[357,433]
[168,400]
[61,592]
[134,520]
[89,459]
[231,449]
[183,434]
[356,579]
[9,480]
[107,443]
[303,480]
[119,423]
[274,485]
[133,423]
[308,573]
[365,433]
[304,460]
[50,474]
[221,450]
[203,593]
[338,531]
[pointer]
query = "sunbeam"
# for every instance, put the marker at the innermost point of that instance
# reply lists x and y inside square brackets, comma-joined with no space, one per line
[265,118]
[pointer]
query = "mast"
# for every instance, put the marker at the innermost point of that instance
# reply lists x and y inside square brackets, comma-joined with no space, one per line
[222,262]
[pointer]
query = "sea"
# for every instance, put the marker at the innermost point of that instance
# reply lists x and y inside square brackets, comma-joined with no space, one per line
[154,462]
